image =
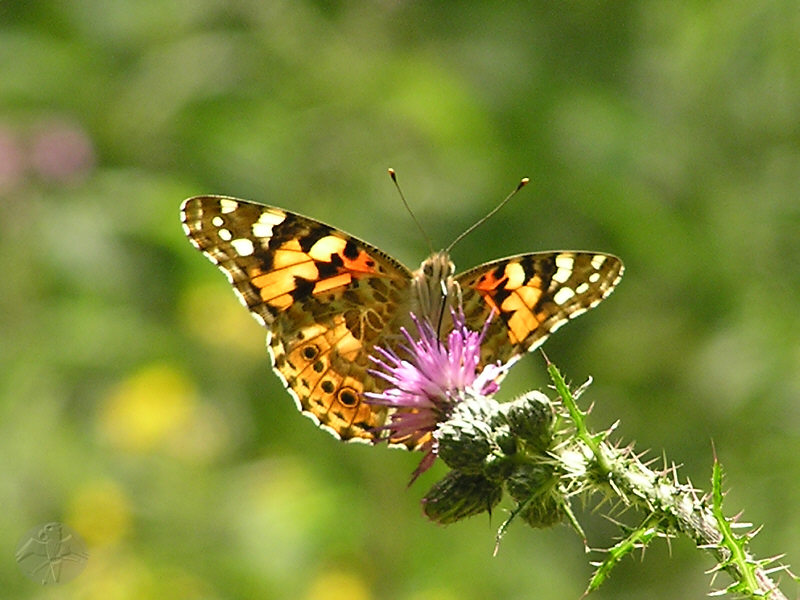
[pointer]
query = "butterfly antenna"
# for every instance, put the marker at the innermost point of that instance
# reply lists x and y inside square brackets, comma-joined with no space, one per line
[523,182]
[393,175]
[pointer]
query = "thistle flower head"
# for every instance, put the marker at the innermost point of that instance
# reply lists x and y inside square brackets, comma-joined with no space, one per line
[427,377]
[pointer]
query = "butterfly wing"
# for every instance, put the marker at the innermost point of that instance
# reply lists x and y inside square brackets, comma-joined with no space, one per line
[325,297]
[532,295]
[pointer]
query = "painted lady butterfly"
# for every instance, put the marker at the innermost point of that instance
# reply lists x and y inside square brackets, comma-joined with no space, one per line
[327,298]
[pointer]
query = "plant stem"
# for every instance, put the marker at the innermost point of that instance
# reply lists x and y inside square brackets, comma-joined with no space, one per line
[670,505]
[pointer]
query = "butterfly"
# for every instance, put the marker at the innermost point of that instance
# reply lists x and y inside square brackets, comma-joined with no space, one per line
[328,299]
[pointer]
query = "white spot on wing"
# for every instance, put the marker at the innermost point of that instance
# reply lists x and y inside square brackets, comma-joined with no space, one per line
[356,439]
[598,260]
[562,295]
[226,205]
[229,275]
[217,221]
[564,264]
[562,275]
[243,246]
[564,260]
[268,219]
[327,428]
[225,234]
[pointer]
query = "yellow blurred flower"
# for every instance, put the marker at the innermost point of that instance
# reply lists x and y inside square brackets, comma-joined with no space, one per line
[115,574]
[148,407]
[100,512]
[231,327]
[338,585]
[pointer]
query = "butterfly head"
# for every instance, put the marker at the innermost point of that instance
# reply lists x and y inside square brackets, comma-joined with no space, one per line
[434,286]
[438,266]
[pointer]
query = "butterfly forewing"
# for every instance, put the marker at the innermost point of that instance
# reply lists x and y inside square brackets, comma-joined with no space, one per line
[532,295]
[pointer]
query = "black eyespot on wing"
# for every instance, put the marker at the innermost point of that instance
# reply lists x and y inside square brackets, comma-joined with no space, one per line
[347,396]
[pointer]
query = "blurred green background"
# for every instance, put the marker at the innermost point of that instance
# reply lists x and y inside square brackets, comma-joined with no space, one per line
[136,401]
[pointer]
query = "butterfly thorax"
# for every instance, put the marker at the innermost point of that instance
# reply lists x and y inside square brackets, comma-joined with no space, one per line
[434,288]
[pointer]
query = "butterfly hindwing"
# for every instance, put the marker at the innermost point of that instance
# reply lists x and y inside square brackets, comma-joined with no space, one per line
[325,297]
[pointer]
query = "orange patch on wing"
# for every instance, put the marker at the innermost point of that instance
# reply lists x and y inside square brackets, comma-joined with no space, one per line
[486,285]
[489,282]
[520,326]
[363,263]
[282,281]
[289,262]
[518,305]
[289,254]
[337,281]
[529,295]
[522,321]
[347,345]
[281,302]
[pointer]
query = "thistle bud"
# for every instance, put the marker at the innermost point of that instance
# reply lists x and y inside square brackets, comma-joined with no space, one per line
[543,512]
[535,487]
[465,440]
[459,495]
[464,445]
[530,418]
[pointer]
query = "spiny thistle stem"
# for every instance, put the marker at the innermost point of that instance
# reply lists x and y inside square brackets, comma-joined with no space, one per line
[577,416]
[671,507]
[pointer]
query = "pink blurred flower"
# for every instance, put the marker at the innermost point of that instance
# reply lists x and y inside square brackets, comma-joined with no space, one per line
[61,152]
[12,160]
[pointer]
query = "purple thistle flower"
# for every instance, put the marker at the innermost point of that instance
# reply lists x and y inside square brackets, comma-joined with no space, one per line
[430,381]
